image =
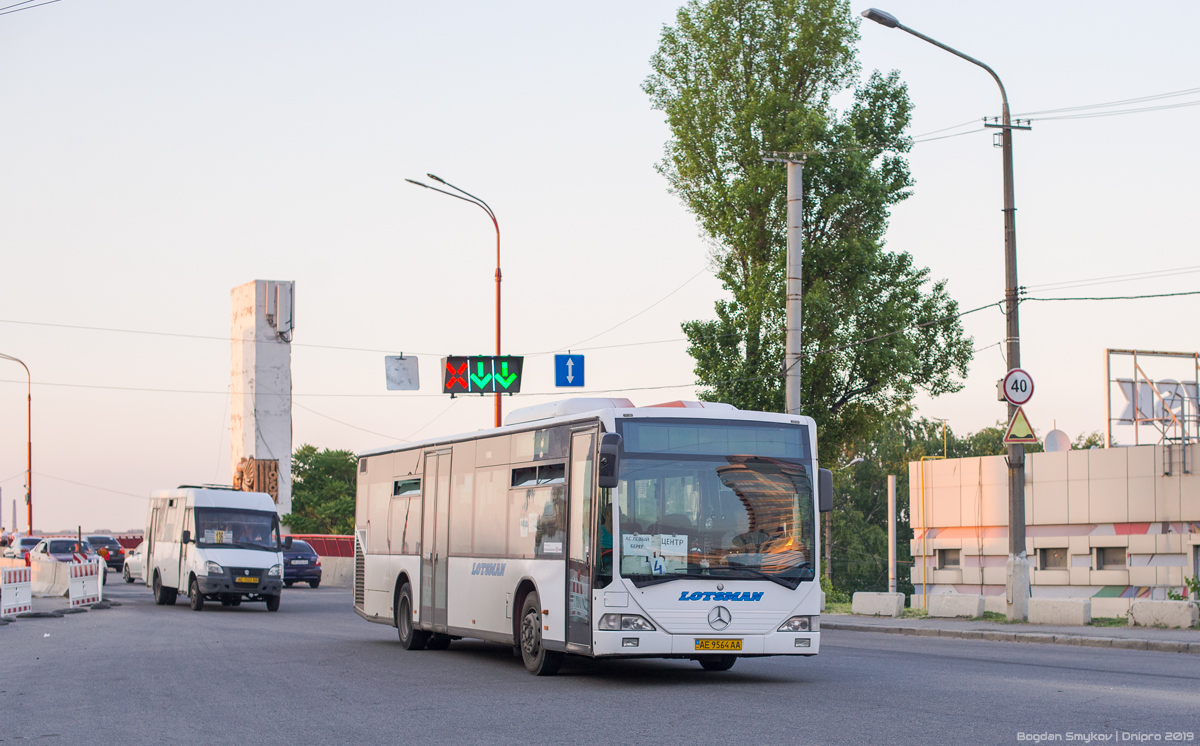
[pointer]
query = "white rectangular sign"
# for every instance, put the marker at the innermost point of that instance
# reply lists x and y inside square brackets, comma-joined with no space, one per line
[401,373]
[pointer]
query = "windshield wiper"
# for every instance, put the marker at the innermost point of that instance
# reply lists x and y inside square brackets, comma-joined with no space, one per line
[759,573]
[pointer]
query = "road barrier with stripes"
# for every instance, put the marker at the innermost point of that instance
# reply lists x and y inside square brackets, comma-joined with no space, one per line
[84,584]
[16,591]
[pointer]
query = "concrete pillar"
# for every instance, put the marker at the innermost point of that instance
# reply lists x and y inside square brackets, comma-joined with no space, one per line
[260,425]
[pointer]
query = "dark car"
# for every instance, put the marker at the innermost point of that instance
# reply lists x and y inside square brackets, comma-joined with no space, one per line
[301,565]
[110,549]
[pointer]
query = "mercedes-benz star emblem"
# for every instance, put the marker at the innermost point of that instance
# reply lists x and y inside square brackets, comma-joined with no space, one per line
[719,618]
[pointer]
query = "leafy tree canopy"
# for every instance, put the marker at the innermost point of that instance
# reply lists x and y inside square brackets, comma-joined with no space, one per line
[323,491]
[737,79]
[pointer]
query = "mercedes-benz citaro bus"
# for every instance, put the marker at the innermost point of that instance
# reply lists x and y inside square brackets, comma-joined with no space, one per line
[592,527]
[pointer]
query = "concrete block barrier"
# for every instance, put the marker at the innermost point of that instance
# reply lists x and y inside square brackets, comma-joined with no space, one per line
[1163,614]
[877,604]
[50,579]
[1064,612]
[955,604]
[337,572]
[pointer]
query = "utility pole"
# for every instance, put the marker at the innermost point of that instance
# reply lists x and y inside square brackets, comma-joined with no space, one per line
[891,533]
[795,266]
[1017,567]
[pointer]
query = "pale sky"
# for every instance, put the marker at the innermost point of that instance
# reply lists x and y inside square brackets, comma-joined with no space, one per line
[155,155]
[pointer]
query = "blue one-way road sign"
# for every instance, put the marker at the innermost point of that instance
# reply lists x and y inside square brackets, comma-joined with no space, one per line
[568,370]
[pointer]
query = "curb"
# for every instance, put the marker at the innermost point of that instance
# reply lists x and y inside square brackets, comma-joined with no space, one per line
[1161,646]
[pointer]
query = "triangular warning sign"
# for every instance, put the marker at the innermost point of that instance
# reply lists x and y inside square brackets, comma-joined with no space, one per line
[1019,429]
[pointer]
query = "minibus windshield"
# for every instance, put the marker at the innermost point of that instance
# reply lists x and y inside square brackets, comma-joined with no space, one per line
[243,529]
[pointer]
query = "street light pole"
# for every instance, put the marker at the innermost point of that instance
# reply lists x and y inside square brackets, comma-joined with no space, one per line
[483,206]
[28,443]
[1017,567]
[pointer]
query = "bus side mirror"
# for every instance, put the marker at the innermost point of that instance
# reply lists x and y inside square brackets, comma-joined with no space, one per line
[186,537]
[610,460]
[287,542]
[825,490]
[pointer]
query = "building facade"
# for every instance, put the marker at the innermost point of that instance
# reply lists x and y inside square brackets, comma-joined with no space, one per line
[1110,524]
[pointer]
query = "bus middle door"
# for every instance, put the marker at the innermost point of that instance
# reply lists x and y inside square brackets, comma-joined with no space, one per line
[435,540]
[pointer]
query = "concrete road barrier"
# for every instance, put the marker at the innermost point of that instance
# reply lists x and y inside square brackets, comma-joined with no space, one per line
[337,572]
[49,578]
[955,604]
[1064,612]
[877,604]
[1163,614]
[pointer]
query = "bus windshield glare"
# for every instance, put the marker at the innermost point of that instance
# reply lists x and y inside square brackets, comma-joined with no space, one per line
[687,512]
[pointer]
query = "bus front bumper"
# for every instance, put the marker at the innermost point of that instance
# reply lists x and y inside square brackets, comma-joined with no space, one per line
[659,643]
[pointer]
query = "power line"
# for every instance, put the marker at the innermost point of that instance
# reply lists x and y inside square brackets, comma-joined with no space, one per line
[1121,297]
[1140,99]
[91,486]
[1127,277]
[347,424]
[6,11]
[1098,114]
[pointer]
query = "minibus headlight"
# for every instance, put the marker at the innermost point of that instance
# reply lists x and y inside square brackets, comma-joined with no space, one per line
[212,568]
[800,624]
[275,571]
[627,622]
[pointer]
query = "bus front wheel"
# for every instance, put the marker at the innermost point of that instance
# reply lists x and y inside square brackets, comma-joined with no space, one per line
[410,637]
[717,662]
[538,660]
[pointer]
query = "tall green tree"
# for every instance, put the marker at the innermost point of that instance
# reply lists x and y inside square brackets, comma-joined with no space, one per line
[323,491]
[737,79]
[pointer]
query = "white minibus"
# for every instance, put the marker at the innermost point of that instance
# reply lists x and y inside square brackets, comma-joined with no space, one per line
[214,543]
[592,527]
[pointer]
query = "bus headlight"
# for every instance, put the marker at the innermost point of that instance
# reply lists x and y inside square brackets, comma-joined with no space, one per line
[626,622]
[275,571]
[212,568]
[800,624]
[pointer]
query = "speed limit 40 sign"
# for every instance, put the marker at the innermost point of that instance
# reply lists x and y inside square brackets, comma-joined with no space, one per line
[1018,386]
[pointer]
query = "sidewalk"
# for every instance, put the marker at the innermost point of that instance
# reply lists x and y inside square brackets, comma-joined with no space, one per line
[1129,638]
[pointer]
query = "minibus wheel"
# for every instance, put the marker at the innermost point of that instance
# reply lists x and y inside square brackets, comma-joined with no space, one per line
[538,660]
[272,603]
[410,637]
[195,597]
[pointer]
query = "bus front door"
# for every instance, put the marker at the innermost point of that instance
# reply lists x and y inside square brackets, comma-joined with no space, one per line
[435,540]
[580,554]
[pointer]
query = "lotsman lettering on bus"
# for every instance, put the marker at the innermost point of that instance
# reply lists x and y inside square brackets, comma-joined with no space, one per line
[720,596]
[487,568]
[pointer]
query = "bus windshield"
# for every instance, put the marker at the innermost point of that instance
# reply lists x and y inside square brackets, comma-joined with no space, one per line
[244,529]
[736,517]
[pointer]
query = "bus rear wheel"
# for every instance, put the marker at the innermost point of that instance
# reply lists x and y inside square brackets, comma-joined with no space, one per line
[410,637]
[538,660]
[717,662]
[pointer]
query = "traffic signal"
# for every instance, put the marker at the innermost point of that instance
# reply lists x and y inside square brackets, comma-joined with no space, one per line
[482,374]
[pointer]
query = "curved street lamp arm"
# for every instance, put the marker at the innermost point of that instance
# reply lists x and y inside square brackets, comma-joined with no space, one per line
[474,201]
[968,58]
[463,191]
[17,360]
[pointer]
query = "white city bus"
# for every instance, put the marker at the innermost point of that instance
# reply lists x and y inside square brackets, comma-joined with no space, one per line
[595,528]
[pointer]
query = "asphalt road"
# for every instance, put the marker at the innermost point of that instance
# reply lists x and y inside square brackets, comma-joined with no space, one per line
[314,673]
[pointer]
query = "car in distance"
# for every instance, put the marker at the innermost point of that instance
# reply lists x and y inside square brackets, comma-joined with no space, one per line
[301,564]
[134,567]
[67,550]
[110,549]
[21,546]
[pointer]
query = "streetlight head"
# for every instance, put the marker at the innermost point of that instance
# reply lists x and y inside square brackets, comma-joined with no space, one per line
[410,181]
[881,17]
[438,179]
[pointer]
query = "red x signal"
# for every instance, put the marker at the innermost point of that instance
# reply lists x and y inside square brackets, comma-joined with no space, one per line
[456,376]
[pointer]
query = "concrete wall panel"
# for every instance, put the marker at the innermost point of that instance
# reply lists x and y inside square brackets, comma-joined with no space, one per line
[1077,487]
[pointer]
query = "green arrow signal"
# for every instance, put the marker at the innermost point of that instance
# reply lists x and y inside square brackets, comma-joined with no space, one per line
[481,380]
[503,378]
